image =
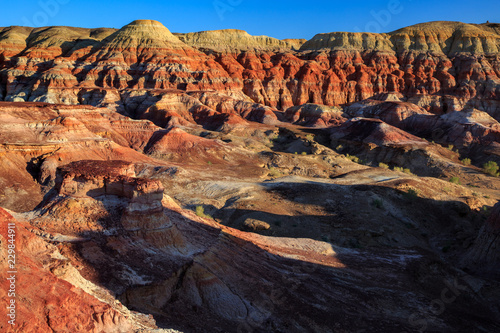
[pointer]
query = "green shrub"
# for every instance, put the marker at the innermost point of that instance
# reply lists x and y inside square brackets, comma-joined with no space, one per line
[455,180]
[355,159]
[310,137]
[466,161]
[399,169]
[383,165]
[273,172]
[491,168]
[339,148]
[303,153]
[200,211]
[412,193]
[451,147]
[378,203]
[408,171]
[210,163]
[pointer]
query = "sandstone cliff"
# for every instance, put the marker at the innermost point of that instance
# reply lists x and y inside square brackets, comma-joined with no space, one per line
[236,41]
[438,37]
[441,66]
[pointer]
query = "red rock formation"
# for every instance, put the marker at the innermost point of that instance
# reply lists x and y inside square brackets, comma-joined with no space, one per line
[144,55]
[376,132]
[472,131]
[44,301]
[187,269]
[314,115]
[37,138]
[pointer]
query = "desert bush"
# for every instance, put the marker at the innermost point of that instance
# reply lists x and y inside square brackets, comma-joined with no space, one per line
[355,159]
[408,171]
[466,161]
[383,165]
[200,211]
[455,180]
[378,203]
[412,193]
[310,137]
[491,168]
[303,153]
[399,169]
[273,172]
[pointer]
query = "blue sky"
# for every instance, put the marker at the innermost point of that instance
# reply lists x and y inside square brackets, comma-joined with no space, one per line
[280,19]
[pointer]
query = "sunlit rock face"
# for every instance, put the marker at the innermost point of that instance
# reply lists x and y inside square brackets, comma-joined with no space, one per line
[223,182]
[443,66]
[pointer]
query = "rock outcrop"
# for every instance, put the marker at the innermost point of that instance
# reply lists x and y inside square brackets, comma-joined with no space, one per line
[484,256]
[349,41]
[49,292]
[314,115]
[95,178]
[187,269]
[237,41]
[365,130]
[37,138]
[443,66]
[437,37]
[128,156]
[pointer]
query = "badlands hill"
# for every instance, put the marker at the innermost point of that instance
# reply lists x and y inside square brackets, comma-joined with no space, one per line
[231,40]
[222,182]
[438,37]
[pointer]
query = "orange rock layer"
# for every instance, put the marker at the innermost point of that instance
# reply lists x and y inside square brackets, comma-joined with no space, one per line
[145,56]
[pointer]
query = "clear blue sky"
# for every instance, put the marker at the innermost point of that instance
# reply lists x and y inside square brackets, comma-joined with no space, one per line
[280,19]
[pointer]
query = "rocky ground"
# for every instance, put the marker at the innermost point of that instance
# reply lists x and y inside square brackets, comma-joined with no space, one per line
[220,182]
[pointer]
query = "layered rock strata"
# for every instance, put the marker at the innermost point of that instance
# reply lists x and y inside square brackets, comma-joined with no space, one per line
[442,66]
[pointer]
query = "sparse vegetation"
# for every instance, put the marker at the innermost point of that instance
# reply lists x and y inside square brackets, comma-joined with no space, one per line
[466,161]
[408,171]
[273,172]
[355,159]
[200,211]
[412,193]
[378,203]
[303,153]
[455,180]
[491,168]
[209,163]
[310,137]
[339,148]
[451,147]
[383,165]
[401,169]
